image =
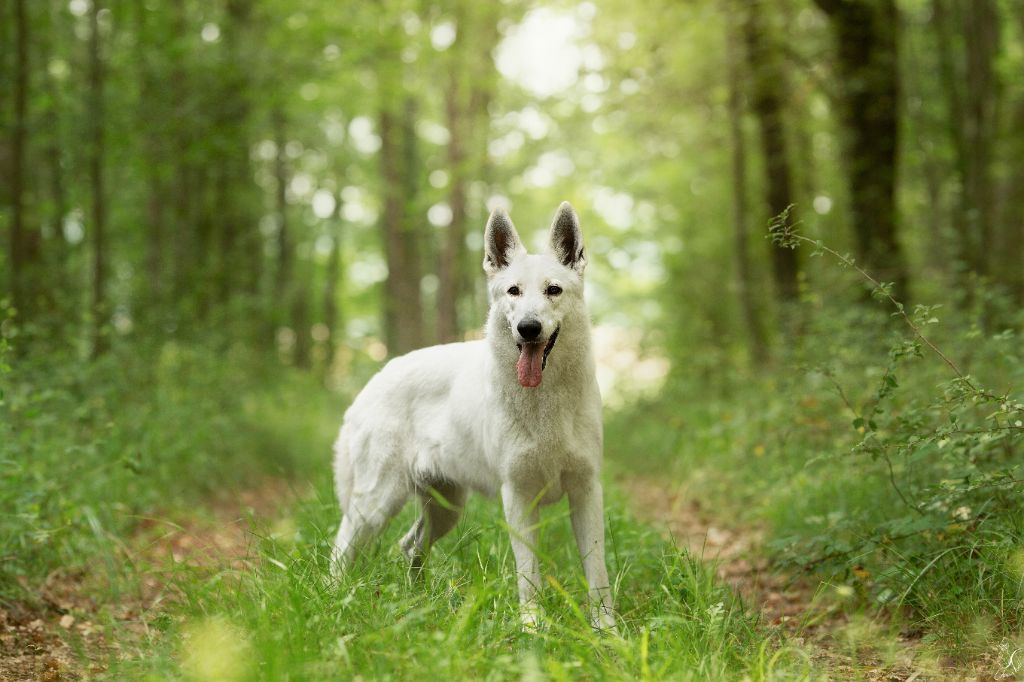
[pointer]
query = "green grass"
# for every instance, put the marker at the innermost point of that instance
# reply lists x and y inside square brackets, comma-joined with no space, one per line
[283,620]
[92,449]
[912,525]
[87,448]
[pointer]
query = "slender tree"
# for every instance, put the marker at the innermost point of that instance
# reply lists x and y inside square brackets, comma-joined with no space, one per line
[866,36]
[283,277]
[471,72]
[234,157]
[150,109]
[455,237]
[24,243]
[403,310]
[757,343]
[767,86]
[96,181]
[967,59]
[332,282]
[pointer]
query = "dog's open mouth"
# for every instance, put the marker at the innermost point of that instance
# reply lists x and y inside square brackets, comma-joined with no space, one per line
[533,358]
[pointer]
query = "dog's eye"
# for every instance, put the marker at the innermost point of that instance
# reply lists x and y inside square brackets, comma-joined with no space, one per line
[553,290]
[514,291]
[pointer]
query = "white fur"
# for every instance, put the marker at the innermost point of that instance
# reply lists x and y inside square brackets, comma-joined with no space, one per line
[444,420]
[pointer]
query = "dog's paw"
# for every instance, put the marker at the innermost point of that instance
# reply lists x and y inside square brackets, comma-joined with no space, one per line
[602,619]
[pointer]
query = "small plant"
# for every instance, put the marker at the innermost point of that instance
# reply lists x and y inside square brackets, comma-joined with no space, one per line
[951,456]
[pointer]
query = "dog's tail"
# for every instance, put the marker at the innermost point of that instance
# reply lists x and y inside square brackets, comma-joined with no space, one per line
[343,469]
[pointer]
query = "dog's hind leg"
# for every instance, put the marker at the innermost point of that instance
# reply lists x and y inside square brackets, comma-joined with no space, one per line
[441,504]
[366,516]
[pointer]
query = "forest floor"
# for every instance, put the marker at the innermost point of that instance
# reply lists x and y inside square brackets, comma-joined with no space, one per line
[50,639]
[65,632]
[844,643]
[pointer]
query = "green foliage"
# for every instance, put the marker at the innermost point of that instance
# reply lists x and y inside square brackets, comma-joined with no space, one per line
[459,619]
[88,450]
[877,460]
[96,449]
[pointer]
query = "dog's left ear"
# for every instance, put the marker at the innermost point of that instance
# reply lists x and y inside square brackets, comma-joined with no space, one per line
[567,239]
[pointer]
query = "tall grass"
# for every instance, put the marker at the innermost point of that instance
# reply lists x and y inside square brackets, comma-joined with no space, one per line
[91,449]
[875,462]
[282,619]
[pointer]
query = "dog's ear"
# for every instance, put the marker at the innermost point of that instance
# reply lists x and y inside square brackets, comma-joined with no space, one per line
[501,242]
[567,239]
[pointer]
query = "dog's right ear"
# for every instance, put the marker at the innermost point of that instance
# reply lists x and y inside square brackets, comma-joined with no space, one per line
[501,242]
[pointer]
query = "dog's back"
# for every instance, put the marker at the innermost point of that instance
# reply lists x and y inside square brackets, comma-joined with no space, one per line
[409,411]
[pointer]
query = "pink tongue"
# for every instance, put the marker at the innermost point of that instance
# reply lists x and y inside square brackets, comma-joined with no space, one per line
[530,364]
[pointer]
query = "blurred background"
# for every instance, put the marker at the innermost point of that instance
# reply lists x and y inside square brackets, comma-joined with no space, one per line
[313,177]
[220,217]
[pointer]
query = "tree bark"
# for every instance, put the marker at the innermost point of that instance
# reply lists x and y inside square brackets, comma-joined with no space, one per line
[757,344]
[184,225]
[1011,212]
[981,41]
[96,179]
[332,281]
[148,95]
[24,245]
[283,278]
[54,251]
[234,116]
[768,83]
[972,121]
[403,316]
[449,269]
[869,89]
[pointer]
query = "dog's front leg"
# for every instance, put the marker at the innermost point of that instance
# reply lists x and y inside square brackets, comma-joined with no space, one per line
[521,515]
[587,509]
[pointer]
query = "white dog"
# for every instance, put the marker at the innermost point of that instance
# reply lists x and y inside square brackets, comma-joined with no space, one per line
[518,412]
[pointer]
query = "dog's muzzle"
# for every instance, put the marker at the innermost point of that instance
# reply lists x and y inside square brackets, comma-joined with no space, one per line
[533,359]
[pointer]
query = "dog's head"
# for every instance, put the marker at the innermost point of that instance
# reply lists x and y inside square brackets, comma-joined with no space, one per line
[534,293]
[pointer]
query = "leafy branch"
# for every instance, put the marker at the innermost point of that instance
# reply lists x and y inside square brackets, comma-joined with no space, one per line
[784,234]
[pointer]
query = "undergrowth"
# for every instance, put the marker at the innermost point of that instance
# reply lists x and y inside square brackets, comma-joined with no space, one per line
[92,450]
[284,619]
[89,448]
[883,449]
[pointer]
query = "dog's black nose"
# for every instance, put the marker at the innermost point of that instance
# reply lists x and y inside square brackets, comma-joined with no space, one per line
[529,329]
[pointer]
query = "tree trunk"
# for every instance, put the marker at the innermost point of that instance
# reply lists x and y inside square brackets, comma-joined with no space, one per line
[972,120]
[235,171]
[284,247]
[450,269]
[868,80]
[96,180]
[185,196]
[1011,213]
[55,252]
[149,105]
[332,280]
[403,316]
[768,85]
[757,344]
[24,244]
[981,41]
[300,321]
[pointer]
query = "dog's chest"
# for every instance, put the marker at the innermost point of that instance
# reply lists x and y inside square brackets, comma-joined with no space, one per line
[537,447]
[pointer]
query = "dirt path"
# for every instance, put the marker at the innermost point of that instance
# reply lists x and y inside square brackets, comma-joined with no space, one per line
[45,640]
[841,641]
[49,636]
